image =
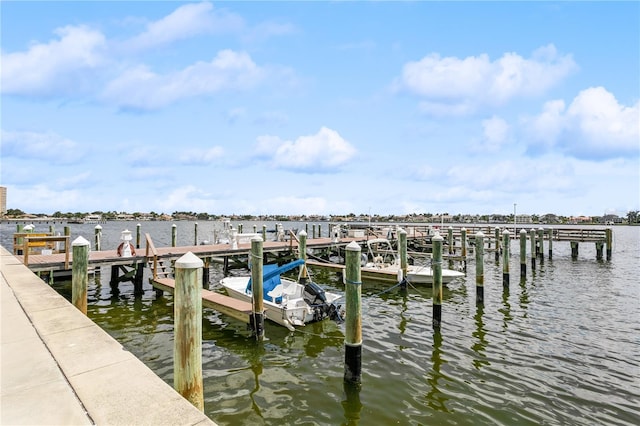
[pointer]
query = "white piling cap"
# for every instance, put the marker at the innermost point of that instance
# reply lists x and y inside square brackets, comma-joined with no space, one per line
[523,231]
[98,227]
[126,235]
[28,228]
[353,246]
[256,238]
[437,237]
[189,261]
[505,232]
[80,241]
[479,234]
[302,233]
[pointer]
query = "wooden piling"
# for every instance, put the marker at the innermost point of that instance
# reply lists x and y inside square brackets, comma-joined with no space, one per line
[463,243]
[479,268]
[264,232]
[541,243]
[534,249]
[195,234]
[174,230]
[353,315]
[302,254]
[599,249]
[450,239]
[79,273]
[138,226]
[496,235]
[402,240]
[187,348]
[523,253]
[436,266]
[574,250]
[256,320]
[98,236]
[609,237]
[506,247]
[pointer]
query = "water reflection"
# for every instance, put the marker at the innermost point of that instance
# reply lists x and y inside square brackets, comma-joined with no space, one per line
[506,308]
[435,398]
[524,296]
[480,343]
[351,403]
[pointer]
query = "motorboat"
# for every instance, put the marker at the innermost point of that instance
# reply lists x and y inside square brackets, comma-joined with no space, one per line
[381,258]
[287,302]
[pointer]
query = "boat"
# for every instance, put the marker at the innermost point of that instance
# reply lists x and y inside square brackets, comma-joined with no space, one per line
[287,302]
[381,258]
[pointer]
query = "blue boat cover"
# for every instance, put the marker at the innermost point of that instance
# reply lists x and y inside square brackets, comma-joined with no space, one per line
[271,277]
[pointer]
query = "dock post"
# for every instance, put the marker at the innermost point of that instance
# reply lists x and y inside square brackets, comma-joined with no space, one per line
[313,227]
[255,228]
[534,249]
[138,236]
[137,279]
[187,346]
[353,315]
[195,234]
[574,250]
[206,272]
[402,239]
[463,243]
[599,249]
[541,242]
[450,239]
[174,230]
[98,236]
[303,276]
[239,228]
[79,275]
[496,234]
[264,232]
[436,266]
[550,233]
[319,231]
[523,253]
[506,246]
[257,315]
[609,234]
[479,268]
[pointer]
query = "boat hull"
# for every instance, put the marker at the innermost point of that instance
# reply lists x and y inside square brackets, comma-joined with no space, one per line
[293,311]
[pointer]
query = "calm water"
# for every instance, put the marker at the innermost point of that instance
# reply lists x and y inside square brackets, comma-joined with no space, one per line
[561,347]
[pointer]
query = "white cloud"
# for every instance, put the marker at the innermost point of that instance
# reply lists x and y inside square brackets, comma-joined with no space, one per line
[202,157]
[140,88]
[59,65]
[324,151]
[48,147]
[495,134]
[186,21]
[453,85]
[595,125]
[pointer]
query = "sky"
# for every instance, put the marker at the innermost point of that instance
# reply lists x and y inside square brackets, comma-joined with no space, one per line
[321,108]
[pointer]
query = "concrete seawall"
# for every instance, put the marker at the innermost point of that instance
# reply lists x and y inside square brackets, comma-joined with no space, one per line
[59,367]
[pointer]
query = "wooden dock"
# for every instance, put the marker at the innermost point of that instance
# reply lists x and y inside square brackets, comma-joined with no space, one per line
[234,308]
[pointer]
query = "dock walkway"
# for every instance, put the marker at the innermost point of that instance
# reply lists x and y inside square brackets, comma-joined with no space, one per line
[59,367]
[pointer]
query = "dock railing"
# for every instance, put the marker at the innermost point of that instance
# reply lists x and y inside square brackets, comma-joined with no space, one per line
[40,241]
[154,254]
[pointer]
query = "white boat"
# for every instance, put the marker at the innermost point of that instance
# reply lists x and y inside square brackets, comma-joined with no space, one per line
[286,302]
[382,258]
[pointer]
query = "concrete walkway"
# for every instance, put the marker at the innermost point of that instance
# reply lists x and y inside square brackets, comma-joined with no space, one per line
[58,367]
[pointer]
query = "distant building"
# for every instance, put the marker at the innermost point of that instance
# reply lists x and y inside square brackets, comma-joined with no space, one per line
[3,200]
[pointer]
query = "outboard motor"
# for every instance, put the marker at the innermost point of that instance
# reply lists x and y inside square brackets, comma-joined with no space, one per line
[314,295]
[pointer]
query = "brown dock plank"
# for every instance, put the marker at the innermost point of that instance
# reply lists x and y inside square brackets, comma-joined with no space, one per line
[234,308]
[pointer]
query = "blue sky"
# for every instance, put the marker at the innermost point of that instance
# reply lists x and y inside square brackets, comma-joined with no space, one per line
[321,107]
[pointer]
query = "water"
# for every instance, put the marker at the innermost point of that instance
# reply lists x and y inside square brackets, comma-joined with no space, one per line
[561,347]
